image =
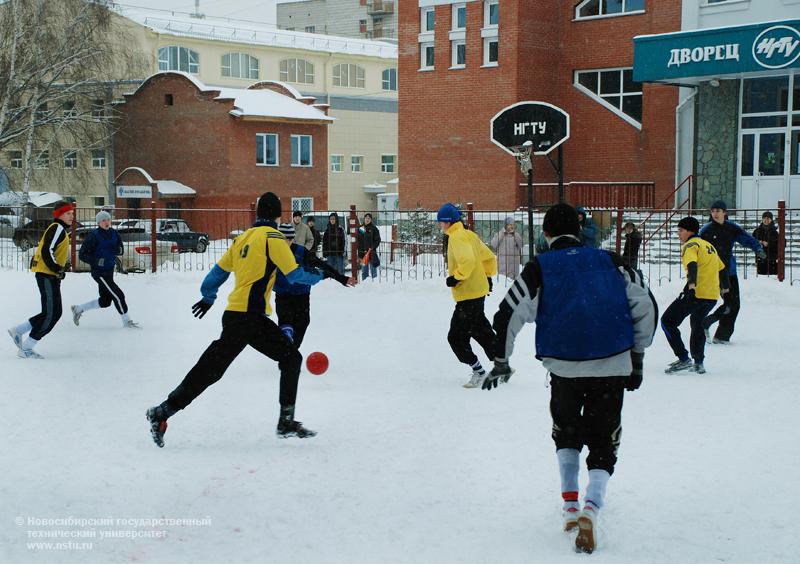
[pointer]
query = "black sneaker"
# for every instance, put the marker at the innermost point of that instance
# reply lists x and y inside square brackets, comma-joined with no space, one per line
[698,367]
[293,428]
[678,366]
[158,424]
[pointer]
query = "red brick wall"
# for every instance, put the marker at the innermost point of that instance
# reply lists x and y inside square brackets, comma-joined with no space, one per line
[444,114]
[196,142]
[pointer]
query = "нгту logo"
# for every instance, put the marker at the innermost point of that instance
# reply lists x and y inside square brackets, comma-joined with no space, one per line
[777,47]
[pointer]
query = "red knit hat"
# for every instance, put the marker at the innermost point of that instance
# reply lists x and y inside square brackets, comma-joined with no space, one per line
[62,207]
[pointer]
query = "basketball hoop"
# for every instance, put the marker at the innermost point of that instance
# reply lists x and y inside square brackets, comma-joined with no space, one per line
[523,155]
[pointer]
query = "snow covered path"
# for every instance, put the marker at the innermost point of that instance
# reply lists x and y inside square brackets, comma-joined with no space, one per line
[408,467]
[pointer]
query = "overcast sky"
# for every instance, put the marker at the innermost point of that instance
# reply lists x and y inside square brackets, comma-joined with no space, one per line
[258,10]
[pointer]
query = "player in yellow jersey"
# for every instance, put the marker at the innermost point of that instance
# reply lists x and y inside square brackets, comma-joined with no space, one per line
[50,264]
[705,275]
[254,258]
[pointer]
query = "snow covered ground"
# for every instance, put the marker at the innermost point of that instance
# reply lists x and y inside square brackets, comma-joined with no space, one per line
[408,466]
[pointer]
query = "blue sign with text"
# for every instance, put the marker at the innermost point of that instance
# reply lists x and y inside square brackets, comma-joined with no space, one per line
[717,52]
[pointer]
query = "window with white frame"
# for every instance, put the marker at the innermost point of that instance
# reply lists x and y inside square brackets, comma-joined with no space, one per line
[174,57]
[388,163]
[303,205]
[266,149]
[239,65]
[348,76]
[98,158]
[491,13]
[490,51]
[297,70]
[459,54]
[389,80]
[615,89]
[336,163]
[311,29]
[427,20]
[356,163]
[99,201]
[15,158]
[301,150]
[607,8]
[426,56]
[71,159]
[68,109]
[459,17]
[42,160]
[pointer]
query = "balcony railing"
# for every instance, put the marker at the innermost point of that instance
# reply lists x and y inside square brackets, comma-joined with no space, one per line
[380,8]
[381,33]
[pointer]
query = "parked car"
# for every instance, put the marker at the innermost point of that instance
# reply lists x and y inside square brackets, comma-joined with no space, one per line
[6,228]
[12,217]
[137,250]
[28,236]
[176,230]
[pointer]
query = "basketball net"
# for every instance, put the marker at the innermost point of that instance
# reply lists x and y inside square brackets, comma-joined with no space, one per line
[523,155]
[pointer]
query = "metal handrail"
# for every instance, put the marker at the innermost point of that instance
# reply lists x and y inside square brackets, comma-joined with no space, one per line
[674,212]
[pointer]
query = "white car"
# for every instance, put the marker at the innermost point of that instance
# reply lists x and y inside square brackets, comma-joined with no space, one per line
[137,254]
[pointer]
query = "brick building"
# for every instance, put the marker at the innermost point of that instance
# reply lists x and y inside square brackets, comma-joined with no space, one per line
[227,145]
[461,62]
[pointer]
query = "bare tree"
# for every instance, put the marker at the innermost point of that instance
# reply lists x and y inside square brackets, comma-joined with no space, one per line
[61,65]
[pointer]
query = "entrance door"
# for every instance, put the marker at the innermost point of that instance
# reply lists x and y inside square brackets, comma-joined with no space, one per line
[763,174]
[793,197]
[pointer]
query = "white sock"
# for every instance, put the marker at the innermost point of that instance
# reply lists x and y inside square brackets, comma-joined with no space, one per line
[23,328]
[94,304]
[596,490]
[29,343]
[125,318]
[568,469]
[478,368]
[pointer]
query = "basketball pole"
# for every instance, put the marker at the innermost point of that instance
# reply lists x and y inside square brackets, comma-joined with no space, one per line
[530,210]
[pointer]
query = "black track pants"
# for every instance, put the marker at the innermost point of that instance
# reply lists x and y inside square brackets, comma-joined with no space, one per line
[50,294]
[588,411]
[696,310]
[238,331]
[110,292]
[295,311]
[726,313]
[469,322]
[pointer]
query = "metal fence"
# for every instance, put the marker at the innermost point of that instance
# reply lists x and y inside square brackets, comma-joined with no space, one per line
[411,247]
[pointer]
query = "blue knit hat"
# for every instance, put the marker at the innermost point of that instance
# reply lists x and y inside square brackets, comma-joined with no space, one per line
[719,205]
[448,213]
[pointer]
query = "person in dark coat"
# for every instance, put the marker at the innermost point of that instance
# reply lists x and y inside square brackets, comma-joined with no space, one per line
[767,235]
[333,244]
[317,236]
[589,233]
[633,240]
[723,233]
[369,239]
[100,250]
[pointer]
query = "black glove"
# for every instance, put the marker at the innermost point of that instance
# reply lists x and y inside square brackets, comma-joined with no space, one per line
[201,308]
[501,370]
[340,278]
[61,274]
[688,294]
[635,379]
[761,255]
[452,282]
[491,285]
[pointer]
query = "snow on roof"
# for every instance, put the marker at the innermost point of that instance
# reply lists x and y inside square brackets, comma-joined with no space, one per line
[174,188]
[256,33]
[37,199]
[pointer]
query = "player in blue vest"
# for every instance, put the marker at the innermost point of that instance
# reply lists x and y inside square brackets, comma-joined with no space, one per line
[100,250]
[594,317]
[293,301]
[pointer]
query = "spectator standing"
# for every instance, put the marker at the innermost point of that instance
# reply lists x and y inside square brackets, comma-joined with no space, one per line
[767,235]
[589,233]
[633,240]
[369,239]
[507,244]
[334,244]
[303,234]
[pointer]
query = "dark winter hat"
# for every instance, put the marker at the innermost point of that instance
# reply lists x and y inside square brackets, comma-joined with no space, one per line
[333,214]
[61,207]
[448,213]
[561,219]
[719,205]
[269,206]
[287,229]
[689,224]
[767,214]
[367,215]
[297,213]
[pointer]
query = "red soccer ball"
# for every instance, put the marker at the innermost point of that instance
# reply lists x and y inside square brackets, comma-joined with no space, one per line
[317,363]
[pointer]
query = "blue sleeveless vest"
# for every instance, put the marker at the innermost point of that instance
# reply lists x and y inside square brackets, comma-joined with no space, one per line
[583,309]
[282,284]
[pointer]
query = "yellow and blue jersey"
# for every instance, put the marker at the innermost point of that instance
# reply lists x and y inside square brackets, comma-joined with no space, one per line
[709,264]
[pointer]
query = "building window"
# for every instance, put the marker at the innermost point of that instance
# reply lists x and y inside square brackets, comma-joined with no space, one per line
[428,20]
[459,54]
[388,163]
[491,13]
[301,150]
[98,110]
[98,158]
[41,112]
[311,29]
[42,160]
[16,159]
[614,89]
[71,158]
[239,65]
[68,109]
[168,100]
[297,70]
[604,8]
[389,80]
[348,76]
[356,163]
[459,16]
[303,205]
[266,149]
[336,163]
[490,52]
[426,56]
[175,58]
[99,201]
[362,26]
